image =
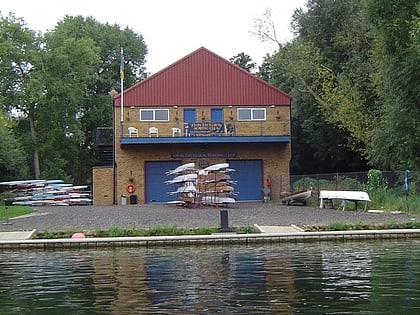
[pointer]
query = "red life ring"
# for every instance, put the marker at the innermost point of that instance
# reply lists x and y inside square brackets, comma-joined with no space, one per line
[131,188]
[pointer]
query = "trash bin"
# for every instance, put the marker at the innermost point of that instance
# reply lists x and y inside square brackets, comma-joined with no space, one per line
[133,199]
[123,200]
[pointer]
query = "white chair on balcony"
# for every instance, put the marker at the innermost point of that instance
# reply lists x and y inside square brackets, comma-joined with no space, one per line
[176,132]
[133,132]
[153,132]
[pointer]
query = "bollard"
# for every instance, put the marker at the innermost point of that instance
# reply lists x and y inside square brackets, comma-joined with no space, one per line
[224,221]
[7,203]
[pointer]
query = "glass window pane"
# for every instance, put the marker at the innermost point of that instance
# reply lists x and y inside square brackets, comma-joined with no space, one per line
[162,114]
[146,114]
[244,114]
[258,114]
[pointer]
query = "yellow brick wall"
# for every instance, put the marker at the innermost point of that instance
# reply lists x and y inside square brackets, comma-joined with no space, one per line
[277,121]
[130,160]
[103,186]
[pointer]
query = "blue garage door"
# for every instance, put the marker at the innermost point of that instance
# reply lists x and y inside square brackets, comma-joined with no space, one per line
[249,175]
[156,189]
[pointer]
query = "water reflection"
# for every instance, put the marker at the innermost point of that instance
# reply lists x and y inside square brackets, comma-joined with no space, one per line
[335,278]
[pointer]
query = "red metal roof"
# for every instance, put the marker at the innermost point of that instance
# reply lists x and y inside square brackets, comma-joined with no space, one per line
[203,78]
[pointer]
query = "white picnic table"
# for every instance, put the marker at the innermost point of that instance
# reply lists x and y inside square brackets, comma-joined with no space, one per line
[344,196]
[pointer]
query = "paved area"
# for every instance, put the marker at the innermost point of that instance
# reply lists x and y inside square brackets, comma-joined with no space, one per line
[16,235]
[270,215]
[278,228]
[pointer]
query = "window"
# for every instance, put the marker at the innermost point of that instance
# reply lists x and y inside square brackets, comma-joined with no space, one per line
[154,115]
[251,113]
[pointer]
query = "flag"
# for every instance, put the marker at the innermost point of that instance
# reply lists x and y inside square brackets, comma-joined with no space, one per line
[122,65]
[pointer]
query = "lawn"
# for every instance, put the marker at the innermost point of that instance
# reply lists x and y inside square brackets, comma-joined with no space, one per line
[14,211]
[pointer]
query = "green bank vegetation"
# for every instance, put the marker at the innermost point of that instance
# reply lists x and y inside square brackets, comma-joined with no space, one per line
[13,211]
[159,230]
[383,197]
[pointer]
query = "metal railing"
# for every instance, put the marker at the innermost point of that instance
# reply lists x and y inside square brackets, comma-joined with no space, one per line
[355,181]
[208,128]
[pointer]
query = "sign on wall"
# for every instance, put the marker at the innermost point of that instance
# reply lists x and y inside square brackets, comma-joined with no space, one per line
[204,128]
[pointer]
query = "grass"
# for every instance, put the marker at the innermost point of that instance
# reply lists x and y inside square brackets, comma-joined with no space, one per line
[395,200]
[344,226]
[14,211]
[159,230]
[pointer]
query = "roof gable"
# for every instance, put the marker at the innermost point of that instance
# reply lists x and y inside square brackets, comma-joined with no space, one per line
[203,78]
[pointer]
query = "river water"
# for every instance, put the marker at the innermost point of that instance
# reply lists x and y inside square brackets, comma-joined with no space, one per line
[378,277]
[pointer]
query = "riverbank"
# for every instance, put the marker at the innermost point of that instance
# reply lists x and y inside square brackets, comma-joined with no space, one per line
[86,218]
[223,239]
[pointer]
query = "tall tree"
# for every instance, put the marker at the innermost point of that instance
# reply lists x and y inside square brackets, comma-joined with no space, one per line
[22,85]
[337,31]
[58,86]
[96,108]
[12,158]
[244,61]
[324,139]
[318,146]
[396,57]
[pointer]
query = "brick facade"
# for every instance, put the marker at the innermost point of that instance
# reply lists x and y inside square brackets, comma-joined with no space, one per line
[201,81]
[103,183]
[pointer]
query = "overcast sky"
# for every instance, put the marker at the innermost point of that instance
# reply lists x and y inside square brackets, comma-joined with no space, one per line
[171,28]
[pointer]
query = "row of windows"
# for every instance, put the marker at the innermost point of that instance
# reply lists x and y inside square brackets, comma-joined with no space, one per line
[243,114]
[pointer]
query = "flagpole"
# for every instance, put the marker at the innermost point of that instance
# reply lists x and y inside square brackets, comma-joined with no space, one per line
[122,85]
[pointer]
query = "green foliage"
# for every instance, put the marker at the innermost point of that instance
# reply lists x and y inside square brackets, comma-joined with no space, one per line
[116,232]
[336,183]
[244,61]
[396,56]
[12,158]
[58,83]
[165,230]
[13,211]
[352,70]
[47,235]
[319,145]
[376,181]
[159,230]
[343,226]
[246,230]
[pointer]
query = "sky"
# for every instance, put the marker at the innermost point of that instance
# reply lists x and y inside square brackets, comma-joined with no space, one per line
[171,29]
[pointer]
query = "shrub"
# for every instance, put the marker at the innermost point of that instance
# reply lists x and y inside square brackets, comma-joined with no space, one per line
[115,232]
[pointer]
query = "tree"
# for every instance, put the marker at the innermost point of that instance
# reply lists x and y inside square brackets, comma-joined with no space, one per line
[12,159]
[396,58]
[22,86]
[317,145]
[244,61]
[328,123]
[96,108]
[58,86]
[338,33]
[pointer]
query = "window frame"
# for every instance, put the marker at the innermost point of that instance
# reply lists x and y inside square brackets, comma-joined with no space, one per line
[153,111]
[252,110]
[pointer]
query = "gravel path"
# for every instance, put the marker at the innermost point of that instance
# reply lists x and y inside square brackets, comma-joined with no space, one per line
[149,215]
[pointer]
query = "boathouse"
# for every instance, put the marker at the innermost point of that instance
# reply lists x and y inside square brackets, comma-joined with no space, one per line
[202,109]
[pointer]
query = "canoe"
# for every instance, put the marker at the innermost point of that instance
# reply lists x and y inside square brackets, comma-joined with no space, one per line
[297,197]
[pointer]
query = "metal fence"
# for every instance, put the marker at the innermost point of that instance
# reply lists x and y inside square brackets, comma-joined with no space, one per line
[355,181]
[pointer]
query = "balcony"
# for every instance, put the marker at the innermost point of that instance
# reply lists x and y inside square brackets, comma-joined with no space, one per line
[275,131]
